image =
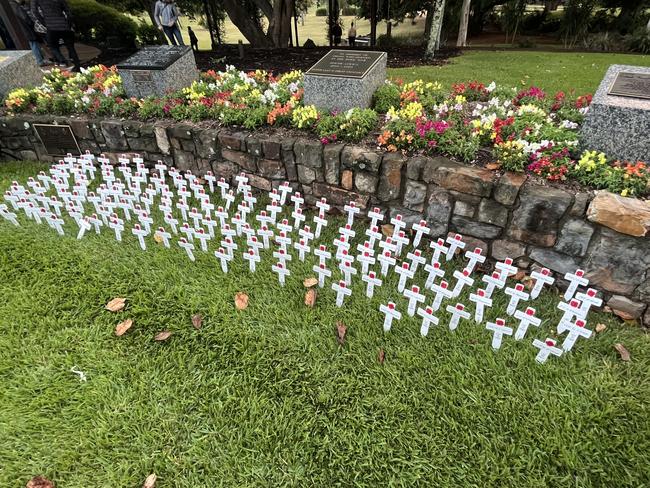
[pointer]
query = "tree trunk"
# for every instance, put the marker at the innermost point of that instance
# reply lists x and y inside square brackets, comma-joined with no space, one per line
[436,12]
[280,24]
[208,20]
[250,29]
[464,21]
[373,22]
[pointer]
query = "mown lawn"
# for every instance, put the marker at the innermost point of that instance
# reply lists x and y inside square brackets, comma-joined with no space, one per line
[266,396]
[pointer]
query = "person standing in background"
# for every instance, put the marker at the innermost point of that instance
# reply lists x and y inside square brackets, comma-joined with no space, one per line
[56,17]
[194,41]
[27,23]
[167,14]
[352,35]
[337,32]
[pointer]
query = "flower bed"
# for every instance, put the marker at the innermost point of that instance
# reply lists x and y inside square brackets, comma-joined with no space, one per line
[525,131]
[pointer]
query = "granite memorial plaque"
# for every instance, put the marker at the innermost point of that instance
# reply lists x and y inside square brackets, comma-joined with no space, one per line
[18,69]
[344,79]
[58,140]
[618,120]
[156,70]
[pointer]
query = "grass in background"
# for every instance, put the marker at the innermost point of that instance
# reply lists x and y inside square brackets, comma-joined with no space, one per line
[552,71]
[266,397]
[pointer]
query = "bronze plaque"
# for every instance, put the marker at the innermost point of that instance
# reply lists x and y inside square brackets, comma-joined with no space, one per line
[633,85]
[140,76]
[341,63]
[57,139]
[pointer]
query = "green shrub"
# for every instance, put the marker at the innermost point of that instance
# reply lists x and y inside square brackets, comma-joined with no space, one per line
[147,34]
[402,40]
[321,12]
[386,96]
[638,41]
[99,25]
[349,10]
[352,125]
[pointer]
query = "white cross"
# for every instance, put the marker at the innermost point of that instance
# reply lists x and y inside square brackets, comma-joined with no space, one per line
[283,241]
[351,210]
[274,195]
[285,227]
[427,319]
[414,297]
[223,257]
[302,248]
[388,245]
[404,273]
[297,200]
[341,244]
[546,348]
[84,225]
[401,241]
[474,257]
[281,270]
[241,180]
[282,256]
[254,244]
[571,309]
[183,207]
[462,279]
[229,199]
[252,258]
[398,224]
[210,178]
[284,190]
[263,218]
[439,249]
[420,229]
[95,221]
[366,247]
[116,224]
[457,312]
[323,254]
[390,314]
[188,231]
[239,222]
[481,300]
[347,232]
[434,272]
[505,269]
[320,223]
[576,330]
[306,234]
[203,238]
[455,242]
[525,318]
[575,280]
[341,292]
[222,215]
[493,281]
[230,245]
[244,210]
[164,235]
[248,231]
[322,272]
[224,187]
[348,271]
[542,277]
[499,329]
[323,207]
[373,235]
[372,281]
[146,221]
[588,300]
[386,261]
[210,224]
[226,231]
[442,291]
[298,218]
[516,294]
[375,216]
[140,233]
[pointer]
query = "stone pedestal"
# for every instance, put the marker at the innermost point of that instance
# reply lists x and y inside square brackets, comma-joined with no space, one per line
[345,79]
[157,70]
[617,125]
[18,69]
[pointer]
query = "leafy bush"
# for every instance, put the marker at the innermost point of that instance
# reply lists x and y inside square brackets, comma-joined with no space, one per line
[401,40]
[386,96]
[321,12]
[353,125]
[605,41]
[147,34]
[101,25]
[349,10]
[639,41]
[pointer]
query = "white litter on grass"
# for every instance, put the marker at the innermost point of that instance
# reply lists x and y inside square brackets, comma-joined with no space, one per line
[81,374]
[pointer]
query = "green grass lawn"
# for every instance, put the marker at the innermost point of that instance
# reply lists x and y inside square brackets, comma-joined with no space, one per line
[266,397]
[552,71]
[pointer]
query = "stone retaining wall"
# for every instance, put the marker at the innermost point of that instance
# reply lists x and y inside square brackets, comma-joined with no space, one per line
[604,234]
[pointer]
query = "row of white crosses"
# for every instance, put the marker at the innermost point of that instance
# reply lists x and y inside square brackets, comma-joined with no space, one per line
[72,177]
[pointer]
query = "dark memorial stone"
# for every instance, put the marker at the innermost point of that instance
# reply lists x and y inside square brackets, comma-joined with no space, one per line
[57,139]
[344,79]
[154,57]
[634,85]
[346,64]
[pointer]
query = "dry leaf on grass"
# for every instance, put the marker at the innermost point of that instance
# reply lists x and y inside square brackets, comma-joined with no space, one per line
[310,297]
[528,282]
[310,282]
[520,275]
[162,336]
[341,331]
[381,356]
[492,166]
[158,238]
[150,482]
[116,304]
[600,328]
[39,482]
[622,351]
[122,327]
[197,320]
[387,230]
[241,300]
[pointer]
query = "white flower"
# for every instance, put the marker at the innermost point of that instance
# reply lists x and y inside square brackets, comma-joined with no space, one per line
[491,87]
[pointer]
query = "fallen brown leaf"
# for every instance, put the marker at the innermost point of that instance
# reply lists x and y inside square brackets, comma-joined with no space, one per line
[116,304]
[493,166]
[624,315]
[241,300]
[381,356]
[310,297]
[158,238]
[309,282]
[150,482]
[520,275]
[600,328]
[197,320]
[341,331]
[622,351]
[39,482]
[122,327]
[162,336]
[387,230]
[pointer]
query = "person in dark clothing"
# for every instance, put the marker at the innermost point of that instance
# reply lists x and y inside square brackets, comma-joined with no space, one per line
[194,41]
[337,32]
[56,17]
[27,23]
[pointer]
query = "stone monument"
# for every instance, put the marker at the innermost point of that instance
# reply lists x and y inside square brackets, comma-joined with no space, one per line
[18,69]
[618,120]
[344,79]
[157,70]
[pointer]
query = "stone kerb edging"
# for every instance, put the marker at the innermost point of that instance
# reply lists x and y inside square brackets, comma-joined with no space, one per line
[507,215]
